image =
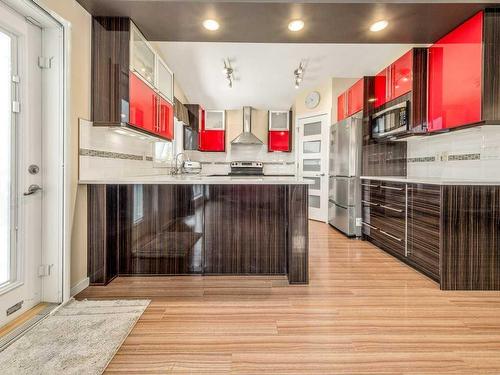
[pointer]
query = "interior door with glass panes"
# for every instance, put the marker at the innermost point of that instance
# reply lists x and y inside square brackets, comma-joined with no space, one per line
[312,156]
[21,169]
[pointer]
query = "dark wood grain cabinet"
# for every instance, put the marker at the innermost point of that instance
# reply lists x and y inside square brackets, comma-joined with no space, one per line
[384,215]
[131,86]
[404,220]
[451,232]
[424,227]
[170,229]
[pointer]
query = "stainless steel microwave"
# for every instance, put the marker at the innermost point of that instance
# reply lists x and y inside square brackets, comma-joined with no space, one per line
[390,121]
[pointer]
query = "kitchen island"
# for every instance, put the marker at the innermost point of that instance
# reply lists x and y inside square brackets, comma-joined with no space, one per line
[180,225]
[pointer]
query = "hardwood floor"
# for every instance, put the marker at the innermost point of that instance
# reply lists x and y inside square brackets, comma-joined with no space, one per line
[364,312]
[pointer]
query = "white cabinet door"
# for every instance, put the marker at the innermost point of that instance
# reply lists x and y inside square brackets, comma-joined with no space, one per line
[279,120]
[215,120]
[165,81]
[142,56]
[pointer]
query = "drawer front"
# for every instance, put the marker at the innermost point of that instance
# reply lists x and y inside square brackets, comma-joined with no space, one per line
[424,226]
[393,195]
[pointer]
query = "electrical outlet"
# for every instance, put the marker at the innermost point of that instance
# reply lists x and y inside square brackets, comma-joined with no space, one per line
[359,222]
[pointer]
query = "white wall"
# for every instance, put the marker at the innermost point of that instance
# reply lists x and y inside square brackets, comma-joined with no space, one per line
[466,154]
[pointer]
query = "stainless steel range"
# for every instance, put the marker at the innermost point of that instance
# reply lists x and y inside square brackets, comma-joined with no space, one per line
[246,168]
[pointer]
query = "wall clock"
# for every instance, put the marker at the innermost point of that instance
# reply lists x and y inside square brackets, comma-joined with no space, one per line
[312,99]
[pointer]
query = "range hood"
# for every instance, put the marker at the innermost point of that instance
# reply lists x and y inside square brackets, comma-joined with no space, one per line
[247,137]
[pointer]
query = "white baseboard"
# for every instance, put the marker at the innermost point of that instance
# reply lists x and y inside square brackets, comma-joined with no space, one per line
[79,286]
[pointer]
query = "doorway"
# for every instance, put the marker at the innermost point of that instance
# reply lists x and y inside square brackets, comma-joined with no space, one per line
[32,159]
[313,133]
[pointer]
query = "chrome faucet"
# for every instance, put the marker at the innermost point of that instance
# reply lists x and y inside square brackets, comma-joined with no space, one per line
[178,168]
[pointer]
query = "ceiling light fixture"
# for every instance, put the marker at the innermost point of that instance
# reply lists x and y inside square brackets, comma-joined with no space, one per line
[296,25]
[211,25]
[378,26]
[298,75]
[228,71]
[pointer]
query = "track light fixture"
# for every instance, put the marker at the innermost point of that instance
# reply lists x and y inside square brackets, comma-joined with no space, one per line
[228,72]
[298,75]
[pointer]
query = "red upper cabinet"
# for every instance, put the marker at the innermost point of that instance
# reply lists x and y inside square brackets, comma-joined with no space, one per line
[355,97]
[143,104]
[342,106]
[350,101]
[455,76]
[279,136]
[212,135]
[395,80]
[402,75]
[166,119]
[381,88]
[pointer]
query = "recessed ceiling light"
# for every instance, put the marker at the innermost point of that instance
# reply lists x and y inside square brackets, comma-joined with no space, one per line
[378,26]
[211,25]
[296,25]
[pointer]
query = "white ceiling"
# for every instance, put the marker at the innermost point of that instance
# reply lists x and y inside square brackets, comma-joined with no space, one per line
[264,72]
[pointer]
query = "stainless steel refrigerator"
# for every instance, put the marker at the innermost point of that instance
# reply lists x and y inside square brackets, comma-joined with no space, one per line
[344,201]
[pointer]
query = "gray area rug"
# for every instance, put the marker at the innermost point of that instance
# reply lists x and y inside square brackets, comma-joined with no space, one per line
[80,338]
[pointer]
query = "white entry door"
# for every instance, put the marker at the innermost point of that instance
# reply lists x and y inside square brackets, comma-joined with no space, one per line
[313,162]
[20,165]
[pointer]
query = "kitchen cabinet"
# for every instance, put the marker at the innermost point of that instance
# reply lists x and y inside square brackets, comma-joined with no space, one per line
[381,91]
[404,220]
[384,215]
[165,81]
[455,75]
[192,129]
[143,104]
[131,85]
[350,101]
[394,80]
[166,119]
[463,74]
[142,57]
[208,127]
[279,132]
[212,131]
[342,106]
[355,98]
[424,227]
[401,75]
[405,80]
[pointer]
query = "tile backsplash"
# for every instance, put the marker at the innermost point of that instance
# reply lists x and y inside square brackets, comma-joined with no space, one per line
[218,162]
[104,153]
[469,153]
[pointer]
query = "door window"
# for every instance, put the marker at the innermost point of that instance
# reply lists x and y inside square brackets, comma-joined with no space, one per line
[7,163]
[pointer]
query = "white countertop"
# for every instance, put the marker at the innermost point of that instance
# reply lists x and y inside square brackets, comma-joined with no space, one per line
[201,180]
[432,180]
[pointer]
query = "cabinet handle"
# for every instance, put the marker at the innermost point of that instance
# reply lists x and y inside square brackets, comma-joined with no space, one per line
[391,188]
[390,208]
[390,235]
[370,203]
[368,225]
[370,185]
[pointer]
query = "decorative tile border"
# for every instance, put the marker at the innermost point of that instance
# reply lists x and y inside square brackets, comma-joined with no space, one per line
[464,157]
[457,157]
[112,155]
[423,159]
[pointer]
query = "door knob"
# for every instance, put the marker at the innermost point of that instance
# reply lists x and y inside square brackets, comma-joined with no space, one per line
[33,189]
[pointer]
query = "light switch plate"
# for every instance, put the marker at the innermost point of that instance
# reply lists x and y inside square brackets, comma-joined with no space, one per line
[359,221]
